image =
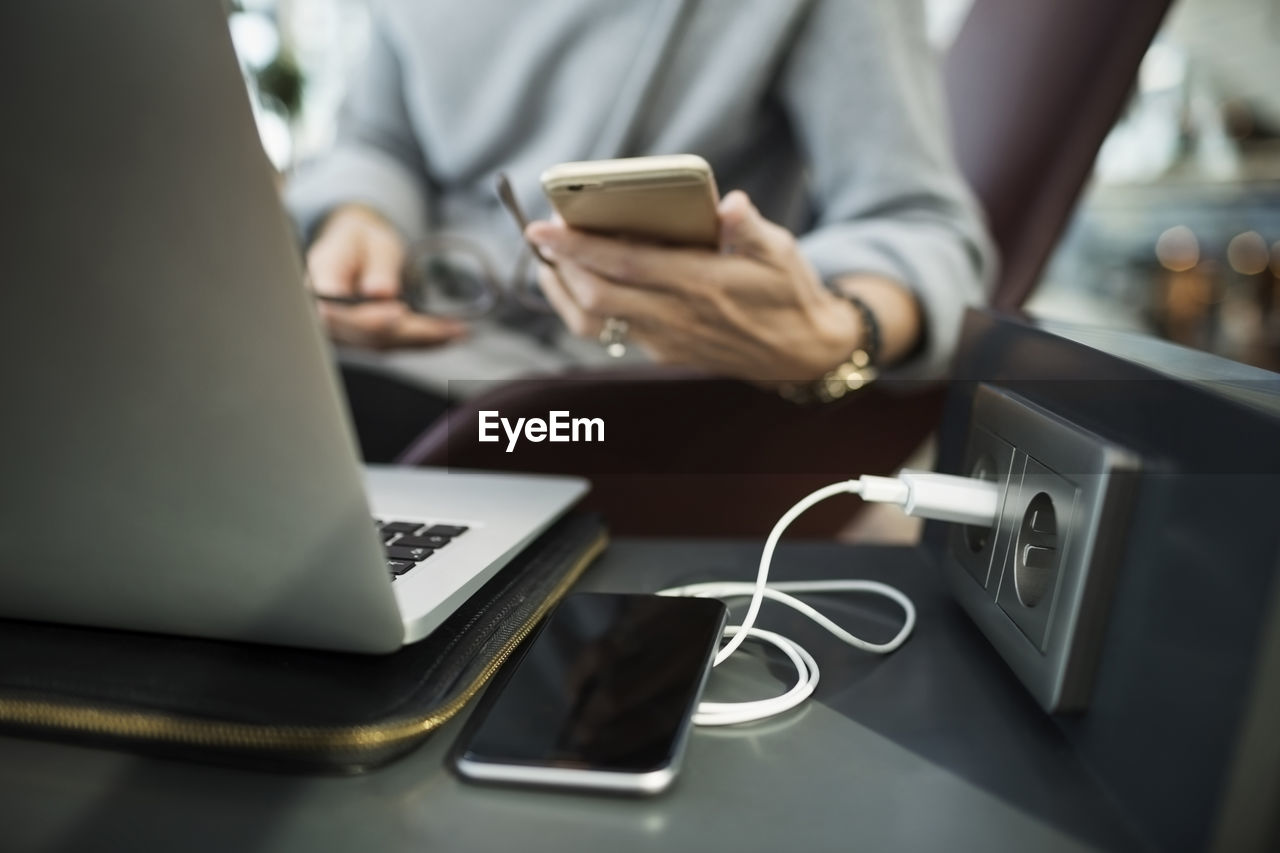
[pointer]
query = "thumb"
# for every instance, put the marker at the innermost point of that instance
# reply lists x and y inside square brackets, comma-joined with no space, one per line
[333,265]
[744,231]
[383,262]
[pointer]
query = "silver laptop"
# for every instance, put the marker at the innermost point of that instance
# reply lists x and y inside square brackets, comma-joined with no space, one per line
[174,451]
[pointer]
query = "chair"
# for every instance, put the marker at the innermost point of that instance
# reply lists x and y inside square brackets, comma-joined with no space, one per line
[1033,86]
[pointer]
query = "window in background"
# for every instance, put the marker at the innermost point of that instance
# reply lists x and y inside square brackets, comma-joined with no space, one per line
[297,56]
[1179,233]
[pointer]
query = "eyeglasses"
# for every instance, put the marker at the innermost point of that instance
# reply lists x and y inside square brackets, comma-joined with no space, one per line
[451,276]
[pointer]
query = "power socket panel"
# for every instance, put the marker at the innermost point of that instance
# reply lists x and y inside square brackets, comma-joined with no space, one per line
[1038,583]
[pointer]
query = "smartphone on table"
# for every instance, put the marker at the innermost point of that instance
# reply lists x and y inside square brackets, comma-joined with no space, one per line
[665,199]
[600,698]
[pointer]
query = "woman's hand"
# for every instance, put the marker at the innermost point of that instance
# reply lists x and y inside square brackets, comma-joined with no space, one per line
[358,254]
[754,310]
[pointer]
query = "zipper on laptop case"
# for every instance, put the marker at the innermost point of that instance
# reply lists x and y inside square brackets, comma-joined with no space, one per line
[160,727]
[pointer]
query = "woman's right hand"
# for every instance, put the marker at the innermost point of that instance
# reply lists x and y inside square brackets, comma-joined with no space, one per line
[357,253]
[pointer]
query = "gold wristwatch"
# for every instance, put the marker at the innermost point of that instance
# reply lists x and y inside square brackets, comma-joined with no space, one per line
[855,372]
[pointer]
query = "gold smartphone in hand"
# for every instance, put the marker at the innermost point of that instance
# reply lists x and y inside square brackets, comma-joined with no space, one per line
[665,199]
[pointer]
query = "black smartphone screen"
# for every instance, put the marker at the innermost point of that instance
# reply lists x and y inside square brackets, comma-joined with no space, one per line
[609,683]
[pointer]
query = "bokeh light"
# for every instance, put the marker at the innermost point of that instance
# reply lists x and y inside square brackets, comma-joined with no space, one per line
[1248,254]
[1177,249]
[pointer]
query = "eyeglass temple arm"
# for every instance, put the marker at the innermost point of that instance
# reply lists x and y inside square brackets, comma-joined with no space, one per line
[507,196]
[357,299]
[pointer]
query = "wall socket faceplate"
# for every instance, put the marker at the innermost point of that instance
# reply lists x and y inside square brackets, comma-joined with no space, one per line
[1039,582]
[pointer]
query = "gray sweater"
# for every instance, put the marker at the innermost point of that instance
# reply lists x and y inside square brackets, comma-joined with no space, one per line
[827,112]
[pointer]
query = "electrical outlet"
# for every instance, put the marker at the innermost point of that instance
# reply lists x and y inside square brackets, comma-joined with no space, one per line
[988,458]
[1043,515]
[1038,583]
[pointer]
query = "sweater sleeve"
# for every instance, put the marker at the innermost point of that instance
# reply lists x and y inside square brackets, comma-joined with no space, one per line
[375,160]
[862,92]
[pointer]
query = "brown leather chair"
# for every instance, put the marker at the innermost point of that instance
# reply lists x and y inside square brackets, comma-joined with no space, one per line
[1033,86]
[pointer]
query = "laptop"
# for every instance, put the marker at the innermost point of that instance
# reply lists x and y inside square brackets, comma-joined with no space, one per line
[175,454]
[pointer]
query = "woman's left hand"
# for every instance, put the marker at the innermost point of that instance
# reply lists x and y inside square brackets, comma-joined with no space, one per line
[754,310]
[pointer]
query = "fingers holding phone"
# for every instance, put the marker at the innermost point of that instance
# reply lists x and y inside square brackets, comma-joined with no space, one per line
[585,297]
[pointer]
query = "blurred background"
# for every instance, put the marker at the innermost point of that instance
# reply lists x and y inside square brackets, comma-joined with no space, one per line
[1178,234]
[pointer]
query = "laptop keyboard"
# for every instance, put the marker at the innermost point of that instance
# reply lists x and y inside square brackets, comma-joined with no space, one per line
[408,543]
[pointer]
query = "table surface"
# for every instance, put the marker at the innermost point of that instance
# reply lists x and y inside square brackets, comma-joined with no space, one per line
[934,747]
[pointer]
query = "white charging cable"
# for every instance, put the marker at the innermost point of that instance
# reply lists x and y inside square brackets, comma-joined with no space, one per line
[923,494]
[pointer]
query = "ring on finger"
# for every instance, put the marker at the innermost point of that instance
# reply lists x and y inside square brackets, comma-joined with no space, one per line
[613,336]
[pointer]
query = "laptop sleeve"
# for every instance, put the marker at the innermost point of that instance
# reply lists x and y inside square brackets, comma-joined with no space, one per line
[272,707]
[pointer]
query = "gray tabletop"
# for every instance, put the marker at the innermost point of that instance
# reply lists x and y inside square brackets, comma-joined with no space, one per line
[935,747]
